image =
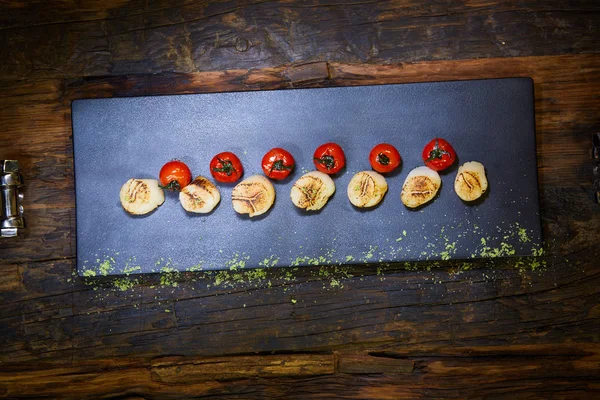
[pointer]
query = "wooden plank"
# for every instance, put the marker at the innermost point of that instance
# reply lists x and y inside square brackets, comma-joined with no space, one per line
[34,132]
[186,370]
[386,312]
[116,37]
[374,363]
[541,371]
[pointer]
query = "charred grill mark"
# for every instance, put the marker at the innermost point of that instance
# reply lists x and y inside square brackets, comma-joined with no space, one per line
[310,190]
[137,188]
[203,184]
[422,187]
[252,194]
[195,198]
[367,185]
[471,180]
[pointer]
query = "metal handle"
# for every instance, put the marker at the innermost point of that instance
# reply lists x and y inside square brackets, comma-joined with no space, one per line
[12,212]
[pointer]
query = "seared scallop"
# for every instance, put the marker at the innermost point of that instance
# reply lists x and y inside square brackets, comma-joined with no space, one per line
[140,196]
[471,182]
[312,191]
[200,196]
[253,196]
[421,186]
[366,189]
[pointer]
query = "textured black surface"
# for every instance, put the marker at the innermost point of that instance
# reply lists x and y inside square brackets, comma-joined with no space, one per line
[491,121]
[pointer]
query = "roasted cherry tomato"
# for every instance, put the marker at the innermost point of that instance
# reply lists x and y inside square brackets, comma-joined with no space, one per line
[277,163]
[226,167]
[175,175]
[384,158]
[438,154]
[329,158]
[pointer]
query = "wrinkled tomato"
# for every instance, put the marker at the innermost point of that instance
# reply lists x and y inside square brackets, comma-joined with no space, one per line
[438,154]
[329,158]
[277,163]
[226,167]
[384,158]
[175,175]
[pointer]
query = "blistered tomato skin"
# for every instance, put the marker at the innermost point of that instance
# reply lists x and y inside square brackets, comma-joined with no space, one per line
[384,158]
[329,158]
[277,163]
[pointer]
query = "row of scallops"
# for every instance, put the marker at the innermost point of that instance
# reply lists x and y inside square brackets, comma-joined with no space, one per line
[255,195]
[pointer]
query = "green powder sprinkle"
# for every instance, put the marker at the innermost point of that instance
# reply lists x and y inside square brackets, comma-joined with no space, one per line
[523,235]
[106,266]
[124,284]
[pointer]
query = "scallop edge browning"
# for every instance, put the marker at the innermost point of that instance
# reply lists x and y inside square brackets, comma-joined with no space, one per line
[367,189]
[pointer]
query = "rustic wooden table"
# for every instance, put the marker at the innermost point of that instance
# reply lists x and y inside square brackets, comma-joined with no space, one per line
[514,328]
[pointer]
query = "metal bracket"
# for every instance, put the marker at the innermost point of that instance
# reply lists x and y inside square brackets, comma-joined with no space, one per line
[12,212]
[596,157]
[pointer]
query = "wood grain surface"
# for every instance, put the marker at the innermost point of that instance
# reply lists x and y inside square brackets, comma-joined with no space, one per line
[497,328]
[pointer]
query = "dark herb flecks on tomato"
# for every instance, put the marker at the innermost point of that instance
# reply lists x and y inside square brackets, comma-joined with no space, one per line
[384,158]
[277,163]
[175,175]
[226,167]
[329,158]
[438,154]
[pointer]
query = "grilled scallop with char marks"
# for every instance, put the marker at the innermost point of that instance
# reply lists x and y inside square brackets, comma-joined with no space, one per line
[366,189]
[312,191]
[421,186]
[200,196]
[140,196]
[471,182]
[253,196]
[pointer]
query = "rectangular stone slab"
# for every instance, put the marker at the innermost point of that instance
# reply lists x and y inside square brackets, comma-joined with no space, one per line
[491,121]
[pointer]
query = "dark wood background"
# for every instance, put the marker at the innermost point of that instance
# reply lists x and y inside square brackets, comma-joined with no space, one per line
[502,328]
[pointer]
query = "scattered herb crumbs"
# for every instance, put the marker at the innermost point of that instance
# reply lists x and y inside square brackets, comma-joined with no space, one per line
[335,283]
[124,284]
[523,235]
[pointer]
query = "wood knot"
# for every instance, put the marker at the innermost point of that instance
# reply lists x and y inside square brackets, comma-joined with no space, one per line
[242,45]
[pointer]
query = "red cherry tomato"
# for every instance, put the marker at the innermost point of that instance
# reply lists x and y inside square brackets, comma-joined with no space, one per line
[438,154]
[175,175]
[226,167]
[278,163]
[384,158]
[329,158]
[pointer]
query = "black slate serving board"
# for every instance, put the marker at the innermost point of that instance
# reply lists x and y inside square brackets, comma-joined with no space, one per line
[491,121]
